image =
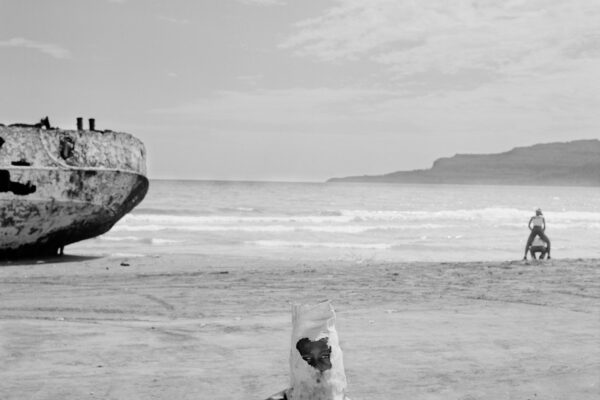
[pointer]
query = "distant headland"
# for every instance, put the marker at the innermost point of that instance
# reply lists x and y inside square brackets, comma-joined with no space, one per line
[575,163]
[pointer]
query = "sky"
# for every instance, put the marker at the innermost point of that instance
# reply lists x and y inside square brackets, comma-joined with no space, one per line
[305,90]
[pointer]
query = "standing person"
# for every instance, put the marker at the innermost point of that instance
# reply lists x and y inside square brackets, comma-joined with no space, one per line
[537,226]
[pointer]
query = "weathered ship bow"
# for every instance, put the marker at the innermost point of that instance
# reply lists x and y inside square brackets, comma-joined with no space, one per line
[61,186]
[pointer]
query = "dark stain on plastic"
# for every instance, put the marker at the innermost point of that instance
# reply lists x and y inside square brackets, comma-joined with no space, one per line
[316,353]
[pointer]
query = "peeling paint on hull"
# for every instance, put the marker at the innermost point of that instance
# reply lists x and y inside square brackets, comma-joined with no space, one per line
[58,187]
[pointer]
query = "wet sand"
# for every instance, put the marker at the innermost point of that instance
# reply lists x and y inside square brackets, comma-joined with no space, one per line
[199,327]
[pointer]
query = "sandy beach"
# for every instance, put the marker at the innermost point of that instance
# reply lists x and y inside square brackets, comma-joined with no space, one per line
[205,327]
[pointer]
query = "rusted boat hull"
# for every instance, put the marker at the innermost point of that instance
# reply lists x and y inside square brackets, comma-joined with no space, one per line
[59,187]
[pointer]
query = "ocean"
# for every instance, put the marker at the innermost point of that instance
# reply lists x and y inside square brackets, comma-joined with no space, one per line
[354,222]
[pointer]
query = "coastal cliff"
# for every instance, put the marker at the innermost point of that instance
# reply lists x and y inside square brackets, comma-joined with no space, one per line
[575,163]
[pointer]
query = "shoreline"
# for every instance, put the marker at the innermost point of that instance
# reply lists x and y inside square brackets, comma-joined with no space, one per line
[185,326]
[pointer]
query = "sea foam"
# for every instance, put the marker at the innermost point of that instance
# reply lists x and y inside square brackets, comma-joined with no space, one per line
[331,245]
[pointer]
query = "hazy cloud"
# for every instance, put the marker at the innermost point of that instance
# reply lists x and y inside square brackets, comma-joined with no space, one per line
[263,2]
[410,37]
[478,66]
[179,21]
[295,107]
[551,105]
[251,80]
[51,49]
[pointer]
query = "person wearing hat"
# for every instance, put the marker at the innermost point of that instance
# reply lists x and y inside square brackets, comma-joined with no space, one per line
[537,226]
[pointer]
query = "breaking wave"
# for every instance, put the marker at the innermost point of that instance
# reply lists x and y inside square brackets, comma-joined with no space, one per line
[349,229]
[137,239]
[352,221]
[331,245]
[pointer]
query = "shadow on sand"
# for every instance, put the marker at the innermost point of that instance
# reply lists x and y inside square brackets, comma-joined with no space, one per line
[47,260]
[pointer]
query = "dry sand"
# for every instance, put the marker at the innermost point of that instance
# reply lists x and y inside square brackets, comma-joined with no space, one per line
[199,327]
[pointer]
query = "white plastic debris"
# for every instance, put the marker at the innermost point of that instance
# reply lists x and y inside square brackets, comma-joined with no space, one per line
[316,362]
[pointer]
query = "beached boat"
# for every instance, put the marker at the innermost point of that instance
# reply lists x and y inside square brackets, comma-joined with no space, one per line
[61,186]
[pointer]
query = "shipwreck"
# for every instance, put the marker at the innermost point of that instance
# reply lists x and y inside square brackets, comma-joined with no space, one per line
[60,186]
